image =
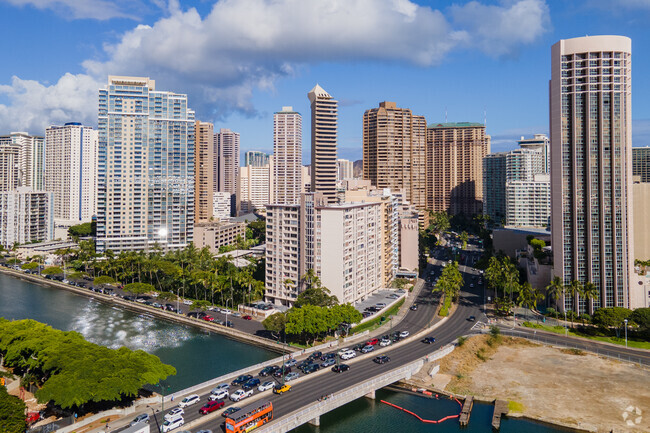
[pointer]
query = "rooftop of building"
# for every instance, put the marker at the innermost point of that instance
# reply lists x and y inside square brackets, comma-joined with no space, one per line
[456,125]
[246,218]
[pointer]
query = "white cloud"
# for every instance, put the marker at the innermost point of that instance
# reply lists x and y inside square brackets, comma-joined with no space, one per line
[243,45]
[79,9]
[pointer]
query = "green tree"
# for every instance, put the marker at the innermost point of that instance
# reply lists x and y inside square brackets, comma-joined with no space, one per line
[318,296]
[29,266]
[555,289]
[258,230]
[275,323]
[139,288]
[12,413]
[295,321]
[611,317]
[590,292]
[104,279]
[82,230]
[464,237]
[439,222]
[52,270]
[641,316]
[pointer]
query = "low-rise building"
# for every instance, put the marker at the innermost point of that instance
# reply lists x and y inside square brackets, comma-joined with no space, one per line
[217,234]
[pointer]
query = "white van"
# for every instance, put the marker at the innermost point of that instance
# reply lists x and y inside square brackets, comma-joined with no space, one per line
[189,400]
[348,355]
[171,425]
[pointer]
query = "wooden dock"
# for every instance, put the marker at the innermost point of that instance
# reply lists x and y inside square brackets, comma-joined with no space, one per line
[466,411]
[500,408]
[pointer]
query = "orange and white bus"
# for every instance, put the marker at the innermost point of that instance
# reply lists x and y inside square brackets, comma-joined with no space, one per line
[249,417]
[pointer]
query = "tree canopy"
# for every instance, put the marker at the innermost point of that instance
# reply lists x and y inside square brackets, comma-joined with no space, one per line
[71,371]
[82,230]
[641,316]
[12,413]
[611,316]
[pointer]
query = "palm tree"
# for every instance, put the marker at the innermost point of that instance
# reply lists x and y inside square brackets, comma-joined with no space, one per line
[575,291]
[590,292]
[555,289]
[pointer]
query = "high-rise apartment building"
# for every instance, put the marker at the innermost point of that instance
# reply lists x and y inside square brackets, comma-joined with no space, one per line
[256,187]
[145,167]
[394,151]
[25,216]
[283,253]
[27,168]
[641,163]
[287,156]
[227,165]
[494,187]
[455,153]
[256,158]
[539,143]
[221,205]
[528,202]
[591,167]
[324,120]
[344,169]
[203,171]
[71,172]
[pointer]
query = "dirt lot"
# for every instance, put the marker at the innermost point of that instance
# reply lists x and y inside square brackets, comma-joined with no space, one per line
[574,389]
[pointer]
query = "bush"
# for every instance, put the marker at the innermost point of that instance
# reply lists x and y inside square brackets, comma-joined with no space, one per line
[461,341]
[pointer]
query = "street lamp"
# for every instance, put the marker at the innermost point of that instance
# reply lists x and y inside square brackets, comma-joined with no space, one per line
[226,312]
[625,320]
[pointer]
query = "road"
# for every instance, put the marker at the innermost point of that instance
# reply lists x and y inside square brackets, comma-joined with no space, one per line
[363,369]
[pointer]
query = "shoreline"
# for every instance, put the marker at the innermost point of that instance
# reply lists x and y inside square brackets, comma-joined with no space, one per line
[158,313]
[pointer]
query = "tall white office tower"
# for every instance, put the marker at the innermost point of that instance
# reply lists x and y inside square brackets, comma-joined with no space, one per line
[287,156]
[591,167]
[145,172]
[324,119]
[70,172]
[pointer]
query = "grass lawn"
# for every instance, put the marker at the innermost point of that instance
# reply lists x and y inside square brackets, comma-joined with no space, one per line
[574,333]
[374,323]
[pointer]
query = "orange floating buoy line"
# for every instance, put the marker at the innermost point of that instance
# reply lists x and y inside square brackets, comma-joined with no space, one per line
[428,421]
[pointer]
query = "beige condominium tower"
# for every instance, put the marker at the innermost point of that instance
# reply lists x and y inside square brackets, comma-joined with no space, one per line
[203,171]
[287,156]
[394,142]
[324,116]
[455,153]
[591,167]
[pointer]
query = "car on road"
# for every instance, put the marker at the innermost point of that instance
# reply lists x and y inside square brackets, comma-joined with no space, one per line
[372,342]
[267,371]
[367,349]
[414,307]
[281,371]
[429,340]
[291,376]
[189,400]
[247,317]
[220,387]
[241,379]
[169,425]
[219,395]
[230,410]
[281,389]
[228,324]
[250,384]
[265,386]
[211,406]
[290,363]
[385,342]
[348,355]
[471,318]
[342,351]
[143,418]
[328,362]
[471,285]
[240,394]
[315,355]
[208,318]
[311,368]
[404,334]
[174,413]
[340,368]
[381,359]
[200,431]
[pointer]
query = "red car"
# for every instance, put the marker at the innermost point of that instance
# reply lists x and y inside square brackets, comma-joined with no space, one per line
[247,318]
[372,342]
[211,406]
[208,318]
[32,417]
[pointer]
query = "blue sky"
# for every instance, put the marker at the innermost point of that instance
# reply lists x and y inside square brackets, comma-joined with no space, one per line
[241,60]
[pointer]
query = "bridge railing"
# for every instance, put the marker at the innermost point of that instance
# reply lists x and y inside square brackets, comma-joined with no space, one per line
[573,344]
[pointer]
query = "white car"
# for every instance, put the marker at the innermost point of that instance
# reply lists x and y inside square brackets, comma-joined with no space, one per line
[189,400]
[385,342]
[348,355]
[174,413]
[220,387]
[187,302]
[240,394]
[219,395]
[265,386]
[171,425]
[404,334]
[342,351]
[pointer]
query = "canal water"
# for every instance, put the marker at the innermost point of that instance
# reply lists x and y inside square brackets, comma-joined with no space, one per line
[199,356]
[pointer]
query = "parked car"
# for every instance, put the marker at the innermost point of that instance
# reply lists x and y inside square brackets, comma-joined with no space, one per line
[265,386]
[230,410]
[380,305]
[241,379]
[240,394]
[208,318]
[227,324]
[381,359]
[328,362]
[189,400]
[429,340]
[340,368]
[247,317]
[211,406]
[250,384]
[291,376]
[404,334]
[171,425]
[143,418]
[281,389]
[367,349]
[174,413]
